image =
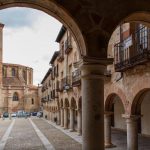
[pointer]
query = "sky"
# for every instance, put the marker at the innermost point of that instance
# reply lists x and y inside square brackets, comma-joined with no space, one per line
[29,39]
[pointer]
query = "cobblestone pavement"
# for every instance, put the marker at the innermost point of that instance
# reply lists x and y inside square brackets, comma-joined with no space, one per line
[58,139]
[23,137]
[3,126]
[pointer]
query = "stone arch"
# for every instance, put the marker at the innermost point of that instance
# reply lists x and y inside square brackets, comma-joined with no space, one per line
[66,103]
[109,101]
[137,101]
[140,108]
[73,103]
[55,10]
[140,88]
[110,92]
[15,96]
[114,104]
[61,103]
[142,17]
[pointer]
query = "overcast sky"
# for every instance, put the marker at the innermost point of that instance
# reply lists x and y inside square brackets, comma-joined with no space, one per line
[29,39]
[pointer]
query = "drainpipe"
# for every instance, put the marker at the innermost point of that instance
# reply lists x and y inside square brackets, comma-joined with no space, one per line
[120,77]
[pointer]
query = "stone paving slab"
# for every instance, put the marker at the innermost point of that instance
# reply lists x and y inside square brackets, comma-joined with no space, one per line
[74,135]
[57,138]
[4,124]
[119,138]
[23,137]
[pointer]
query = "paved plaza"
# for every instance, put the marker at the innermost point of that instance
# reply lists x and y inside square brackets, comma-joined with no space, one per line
[40,134]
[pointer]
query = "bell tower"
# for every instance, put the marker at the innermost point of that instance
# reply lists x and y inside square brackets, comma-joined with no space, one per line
[1,70]
[1,51]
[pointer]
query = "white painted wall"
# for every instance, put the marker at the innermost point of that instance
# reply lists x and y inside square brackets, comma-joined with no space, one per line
[119,121]
[145,111]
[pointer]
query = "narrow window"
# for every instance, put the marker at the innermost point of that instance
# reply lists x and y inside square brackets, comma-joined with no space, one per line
[13,72]
[32,101]
[15,96]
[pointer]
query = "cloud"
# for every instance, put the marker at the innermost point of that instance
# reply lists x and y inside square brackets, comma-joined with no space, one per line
[36,61]
[31,43]
[18,17]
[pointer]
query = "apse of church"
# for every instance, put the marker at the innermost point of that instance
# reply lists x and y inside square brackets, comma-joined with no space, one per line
[17,91]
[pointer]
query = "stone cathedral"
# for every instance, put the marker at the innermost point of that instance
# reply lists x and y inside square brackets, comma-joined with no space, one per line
[17,91]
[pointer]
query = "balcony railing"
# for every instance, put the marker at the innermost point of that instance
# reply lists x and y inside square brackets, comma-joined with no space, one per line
[44,100]
[68,46]
[133,51]
[67,82]
[60,56]
[76,78]
[43,89]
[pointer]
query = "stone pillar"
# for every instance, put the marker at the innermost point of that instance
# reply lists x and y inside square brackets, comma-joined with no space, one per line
[92,73]
[65,118]
[50,115]
[79,122]
[71,120]
[62,117]
[107,123]
[132,132]
[58,117]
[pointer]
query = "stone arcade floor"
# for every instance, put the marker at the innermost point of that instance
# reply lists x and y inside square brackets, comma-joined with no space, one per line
[40,134]
[119,139]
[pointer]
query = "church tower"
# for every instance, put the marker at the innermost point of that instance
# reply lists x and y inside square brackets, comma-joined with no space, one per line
[1,70]
[1,51]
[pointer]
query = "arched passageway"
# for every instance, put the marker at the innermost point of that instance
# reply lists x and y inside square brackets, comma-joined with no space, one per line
[114,110]
[133,80]
[140,118]
[66,114]
[73,114]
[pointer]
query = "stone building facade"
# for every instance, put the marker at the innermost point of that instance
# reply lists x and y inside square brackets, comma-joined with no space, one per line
[126,84]
[127,89]
[17,91]
[61,86]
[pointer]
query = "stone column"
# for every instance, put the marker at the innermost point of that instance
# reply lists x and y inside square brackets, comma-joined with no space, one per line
[65,118]
[58,117]
[79,122]
[71,120]
[132,132]
[92,73]
[62,117]
[107,123]
[50,115]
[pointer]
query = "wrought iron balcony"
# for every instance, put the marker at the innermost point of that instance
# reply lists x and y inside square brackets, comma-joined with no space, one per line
[43,89]
[67,83]
[76,78]
[68,46]
[60,56]
[44,100]
[133,51]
